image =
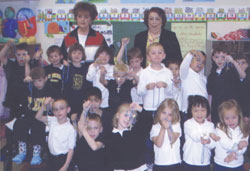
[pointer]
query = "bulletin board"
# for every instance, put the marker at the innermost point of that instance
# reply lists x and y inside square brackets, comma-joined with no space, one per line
[191,35]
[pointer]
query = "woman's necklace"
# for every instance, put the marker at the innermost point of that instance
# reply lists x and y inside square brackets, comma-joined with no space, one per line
[153,37]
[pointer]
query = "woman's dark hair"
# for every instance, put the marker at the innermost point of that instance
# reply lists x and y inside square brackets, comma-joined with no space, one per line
[108,50]
[157,10]
[197,100]
[74,47]
[85,6]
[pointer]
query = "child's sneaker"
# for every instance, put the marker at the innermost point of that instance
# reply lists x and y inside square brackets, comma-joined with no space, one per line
[36,160]
[18,159]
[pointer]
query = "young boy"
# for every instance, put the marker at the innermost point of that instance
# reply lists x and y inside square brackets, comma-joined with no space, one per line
[174,66]
[93,104]
[16,69]
[62,135]
[134,60]
[37,93]
[155,80]
[120,88]
[244,99]
[89,150]
[55,72]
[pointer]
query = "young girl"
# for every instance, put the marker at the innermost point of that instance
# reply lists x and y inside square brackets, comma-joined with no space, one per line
[165,134]
[76,84]
[193,80]
[125,145]
[232,136]
[103,58]
[223,81]
[198,145]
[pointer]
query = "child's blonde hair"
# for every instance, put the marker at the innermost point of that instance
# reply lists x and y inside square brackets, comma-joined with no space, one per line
[118,68]
[155,44]
[231,105]
[172,104]
[122,109]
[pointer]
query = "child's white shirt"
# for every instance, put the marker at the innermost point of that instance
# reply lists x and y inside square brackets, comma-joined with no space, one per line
[62,137]
[94,74]
[192,149]
[166,154]
[192,83]
[226,144]
[153,98]
[134,95]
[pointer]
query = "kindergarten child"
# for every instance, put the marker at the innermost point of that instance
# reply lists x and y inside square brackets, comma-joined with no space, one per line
[16,69]
[120,88]
[232,138]
[103,59]
[134,60]
[155,80]
[55,71]
[224,80]
[89,149]
[76,87]
[62,135]
[198,145]
[165,134]
[125,145]
[26,123]
[193,80]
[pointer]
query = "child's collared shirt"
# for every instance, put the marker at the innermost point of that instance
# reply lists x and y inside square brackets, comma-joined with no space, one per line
[192,149]
[62,137]
[135,97]
[192,83]
[94,74]
[152,98]
[167,154]
[226,144]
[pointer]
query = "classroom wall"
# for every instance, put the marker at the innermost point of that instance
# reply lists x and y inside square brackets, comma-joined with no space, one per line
[46,41]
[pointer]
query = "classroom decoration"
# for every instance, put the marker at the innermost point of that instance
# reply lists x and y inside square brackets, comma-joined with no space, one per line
[147,1]
[96,1]
[9,23]
[135,14]
[190,36]
[56,27]
[240,34]
[65,1]
[26,22]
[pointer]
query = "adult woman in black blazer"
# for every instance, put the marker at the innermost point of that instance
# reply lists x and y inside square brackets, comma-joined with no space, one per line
[155,20]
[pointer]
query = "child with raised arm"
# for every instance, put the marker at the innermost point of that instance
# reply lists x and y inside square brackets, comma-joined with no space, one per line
[224,80]
[89,149]
[134,61]
[62,135]
[16,69]
[125,145]
[231,136]
[198,144]
[165,134]
[103,60]
[120,88]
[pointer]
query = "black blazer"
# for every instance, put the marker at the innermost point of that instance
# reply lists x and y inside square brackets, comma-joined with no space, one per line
[168,40]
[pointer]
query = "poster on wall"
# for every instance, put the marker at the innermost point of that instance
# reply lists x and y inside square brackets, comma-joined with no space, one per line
[96,1]
[147,1]
[56,27]
[190,36]
[198,0]
[65,1]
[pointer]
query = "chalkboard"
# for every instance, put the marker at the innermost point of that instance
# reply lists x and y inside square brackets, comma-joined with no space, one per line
[127,29]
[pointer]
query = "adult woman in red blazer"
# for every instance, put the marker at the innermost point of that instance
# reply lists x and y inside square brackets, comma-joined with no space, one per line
[85,13]
[155,20]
